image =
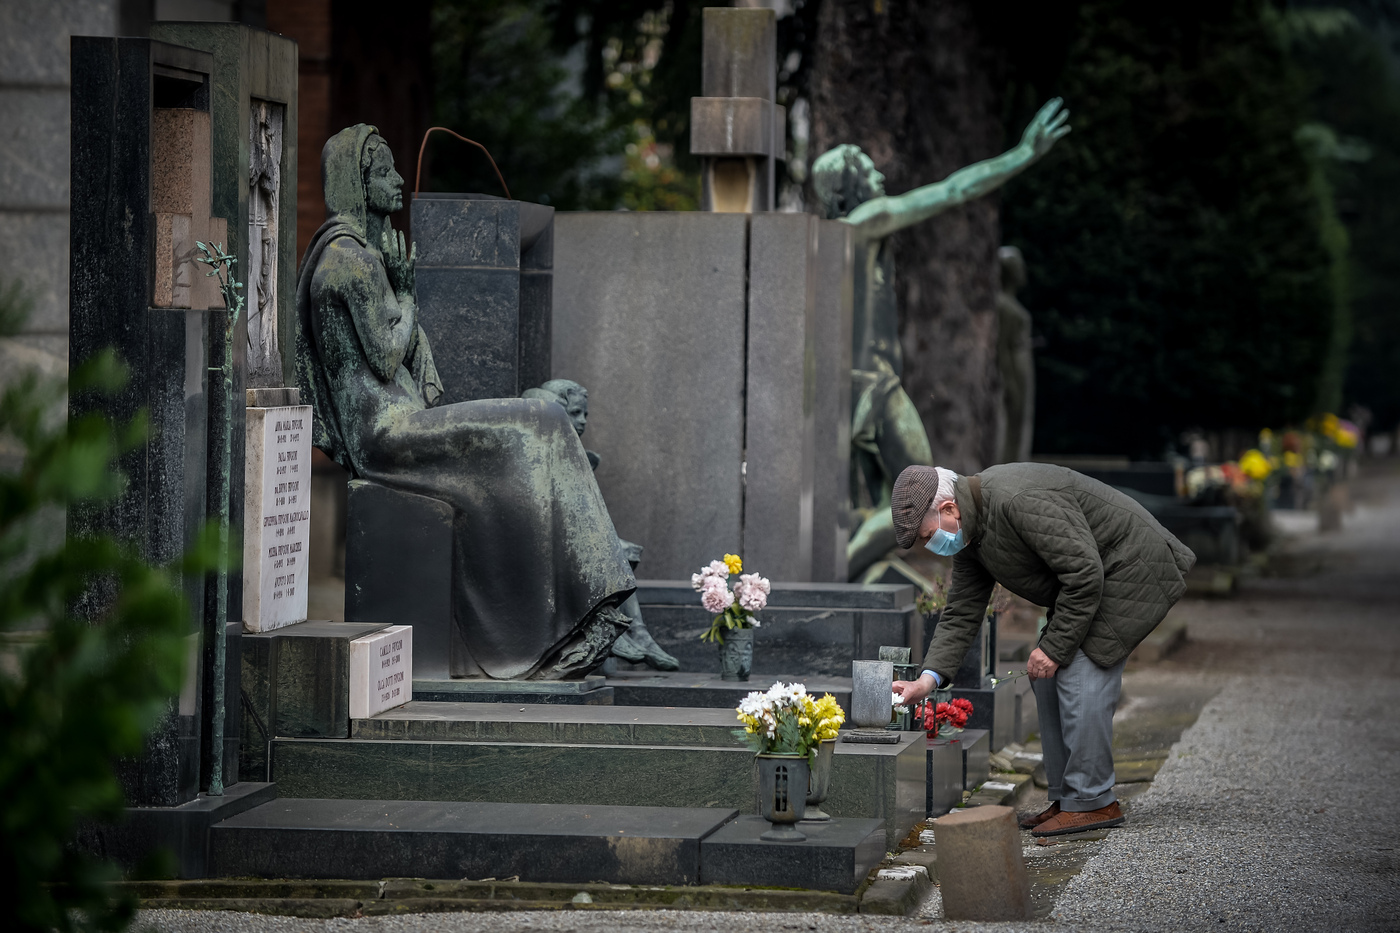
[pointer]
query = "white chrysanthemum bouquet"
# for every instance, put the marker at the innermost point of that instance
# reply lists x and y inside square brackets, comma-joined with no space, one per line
[788,721]
[733,608]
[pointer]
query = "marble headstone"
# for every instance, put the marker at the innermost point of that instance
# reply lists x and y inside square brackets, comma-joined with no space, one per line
[871,686]
[381,671]
[277,512]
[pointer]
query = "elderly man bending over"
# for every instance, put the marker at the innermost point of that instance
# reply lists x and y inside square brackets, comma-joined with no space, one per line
[1105,568]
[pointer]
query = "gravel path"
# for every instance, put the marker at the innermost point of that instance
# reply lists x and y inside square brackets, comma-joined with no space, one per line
[1277,810]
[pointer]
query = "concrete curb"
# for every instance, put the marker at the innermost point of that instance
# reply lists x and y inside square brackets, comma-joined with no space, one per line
[331,898]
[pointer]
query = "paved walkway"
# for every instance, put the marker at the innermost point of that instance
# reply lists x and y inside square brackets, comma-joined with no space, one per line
[1278,810]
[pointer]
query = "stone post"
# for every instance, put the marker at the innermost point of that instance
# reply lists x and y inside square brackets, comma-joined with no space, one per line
[735,127]
[981,871]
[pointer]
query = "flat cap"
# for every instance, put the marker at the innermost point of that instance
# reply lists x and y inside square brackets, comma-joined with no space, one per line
[909,502]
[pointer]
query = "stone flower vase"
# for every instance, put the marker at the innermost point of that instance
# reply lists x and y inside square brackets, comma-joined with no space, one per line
[736,654]
[819,784]
[782,794]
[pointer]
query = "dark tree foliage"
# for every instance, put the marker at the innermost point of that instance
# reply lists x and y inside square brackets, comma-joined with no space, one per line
[557,91]
[1184,256]
[1356,99]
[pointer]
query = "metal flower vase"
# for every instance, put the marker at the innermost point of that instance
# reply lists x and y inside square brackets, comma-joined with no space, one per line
[736,654]
[782,794]
[819,784]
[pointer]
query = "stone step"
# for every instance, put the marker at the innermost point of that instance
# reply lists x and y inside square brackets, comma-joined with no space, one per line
[551,843]
[533,723]
[884,782]
[699,689]
[355,839]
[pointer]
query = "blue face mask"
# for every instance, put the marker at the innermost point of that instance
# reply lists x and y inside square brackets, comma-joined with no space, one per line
[946,545]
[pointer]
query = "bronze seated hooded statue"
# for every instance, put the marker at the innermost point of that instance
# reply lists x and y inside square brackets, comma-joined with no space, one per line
[538,572]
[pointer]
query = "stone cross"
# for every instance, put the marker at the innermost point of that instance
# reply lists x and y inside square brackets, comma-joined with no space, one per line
[736,127]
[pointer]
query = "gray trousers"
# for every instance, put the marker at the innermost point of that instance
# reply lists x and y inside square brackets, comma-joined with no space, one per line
[1076,732]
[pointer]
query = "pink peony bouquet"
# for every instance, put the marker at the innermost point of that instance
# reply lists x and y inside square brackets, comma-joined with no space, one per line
[734,604]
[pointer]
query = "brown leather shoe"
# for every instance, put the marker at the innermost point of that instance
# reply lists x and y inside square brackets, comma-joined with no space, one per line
[1031,822]
[1068,821]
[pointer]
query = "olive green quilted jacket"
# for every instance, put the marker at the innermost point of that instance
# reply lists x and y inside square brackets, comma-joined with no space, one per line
[1102,564]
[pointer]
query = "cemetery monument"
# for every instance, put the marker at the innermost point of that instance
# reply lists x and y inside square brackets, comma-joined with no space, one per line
[537,569]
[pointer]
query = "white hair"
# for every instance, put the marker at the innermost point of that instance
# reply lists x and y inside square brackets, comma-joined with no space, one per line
[946,479]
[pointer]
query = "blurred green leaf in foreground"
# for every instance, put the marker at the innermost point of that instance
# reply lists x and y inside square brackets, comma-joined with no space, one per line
[74,695]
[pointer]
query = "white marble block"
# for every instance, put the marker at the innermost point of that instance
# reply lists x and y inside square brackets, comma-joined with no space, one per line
[381,671]
[276,516]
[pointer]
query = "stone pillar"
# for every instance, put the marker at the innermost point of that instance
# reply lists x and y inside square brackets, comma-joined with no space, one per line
[780,396]
[735,127]
[485,292]
[141,151]
[253,116]
[981,871]
[831,503]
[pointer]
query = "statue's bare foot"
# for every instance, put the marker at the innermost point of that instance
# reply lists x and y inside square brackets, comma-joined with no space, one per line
[653,653]
[628,650]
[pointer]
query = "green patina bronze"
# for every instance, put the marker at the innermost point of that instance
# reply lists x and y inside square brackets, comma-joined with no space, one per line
[886,433]
[538,571]
[636,644]
[221,268]
[1015,361]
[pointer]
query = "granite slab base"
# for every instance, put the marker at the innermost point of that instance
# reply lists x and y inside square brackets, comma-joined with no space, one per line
[943,773]
[814,628]
[993,709]
[706,689]
[538,723]
[885,782]
[976,748]
[145,835]
[590,691]
[835,856]
[357,839]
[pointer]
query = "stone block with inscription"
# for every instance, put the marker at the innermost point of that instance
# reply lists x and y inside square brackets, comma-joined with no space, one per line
[381,671]
[277,512]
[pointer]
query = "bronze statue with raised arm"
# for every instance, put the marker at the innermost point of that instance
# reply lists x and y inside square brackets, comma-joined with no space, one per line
[886,432]
[538,572]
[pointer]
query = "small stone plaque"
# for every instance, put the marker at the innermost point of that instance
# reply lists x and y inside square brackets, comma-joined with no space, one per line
[381,671]
[277,512]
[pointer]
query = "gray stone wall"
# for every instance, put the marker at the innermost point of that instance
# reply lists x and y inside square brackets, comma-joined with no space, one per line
[649,315]
[34,174]
[715,349]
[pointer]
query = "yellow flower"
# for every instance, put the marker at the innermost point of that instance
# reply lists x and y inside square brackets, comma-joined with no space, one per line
[1255,465]
[1291,459]
[733,562]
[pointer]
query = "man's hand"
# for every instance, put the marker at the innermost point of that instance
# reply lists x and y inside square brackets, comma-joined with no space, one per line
[1047,128]
[914,691]
[1040,667]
